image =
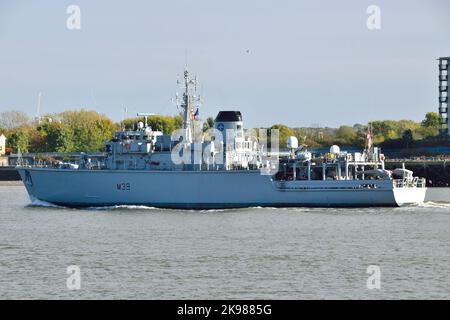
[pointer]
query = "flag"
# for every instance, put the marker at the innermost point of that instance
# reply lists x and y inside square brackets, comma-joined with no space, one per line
[197,112]
[369,142]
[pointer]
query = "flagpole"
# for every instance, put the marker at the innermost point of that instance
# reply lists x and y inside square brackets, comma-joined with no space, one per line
[369,140]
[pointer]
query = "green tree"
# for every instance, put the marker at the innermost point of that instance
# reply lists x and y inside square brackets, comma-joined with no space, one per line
[306,136]
[407,137]
[18,139]
[166,124]
[430,125]
[88,130]
[54,136]
[283,133]
[208,124]
[391,134]
[431,120]
[345,135]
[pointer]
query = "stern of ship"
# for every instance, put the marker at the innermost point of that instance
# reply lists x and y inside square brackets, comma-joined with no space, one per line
[409,191]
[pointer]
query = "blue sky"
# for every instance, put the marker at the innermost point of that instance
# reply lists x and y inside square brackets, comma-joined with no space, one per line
[293,62]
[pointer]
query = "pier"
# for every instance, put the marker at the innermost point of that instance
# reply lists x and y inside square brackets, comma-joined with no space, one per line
[435,171]
[8,173]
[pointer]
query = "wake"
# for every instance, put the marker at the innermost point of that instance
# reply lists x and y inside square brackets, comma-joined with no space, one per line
[433,204]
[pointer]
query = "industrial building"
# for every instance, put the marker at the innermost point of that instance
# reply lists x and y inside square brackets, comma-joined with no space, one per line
[444,93]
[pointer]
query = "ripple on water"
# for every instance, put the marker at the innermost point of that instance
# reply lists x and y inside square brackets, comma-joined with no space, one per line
[254,253]
[435,204]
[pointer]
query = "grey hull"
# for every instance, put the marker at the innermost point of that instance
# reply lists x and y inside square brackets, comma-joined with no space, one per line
[205,189]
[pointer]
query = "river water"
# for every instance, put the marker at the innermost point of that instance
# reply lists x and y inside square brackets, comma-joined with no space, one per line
[255,253]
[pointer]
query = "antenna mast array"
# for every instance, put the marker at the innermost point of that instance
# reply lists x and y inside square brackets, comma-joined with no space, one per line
[189,104]
[38,109]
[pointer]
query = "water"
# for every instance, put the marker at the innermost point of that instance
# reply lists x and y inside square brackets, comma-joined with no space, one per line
[256,253]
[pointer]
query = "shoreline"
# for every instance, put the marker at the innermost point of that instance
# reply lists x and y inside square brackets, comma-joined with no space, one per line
[13,183]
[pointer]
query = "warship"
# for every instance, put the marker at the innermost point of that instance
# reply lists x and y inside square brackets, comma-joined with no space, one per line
[226,167]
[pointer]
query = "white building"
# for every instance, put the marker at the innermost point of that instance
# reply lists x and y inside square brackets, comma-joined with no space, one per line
[2,145]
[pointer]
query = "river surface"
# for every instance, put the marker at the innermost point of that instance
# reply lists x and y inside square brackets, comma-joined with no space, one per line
[255,253]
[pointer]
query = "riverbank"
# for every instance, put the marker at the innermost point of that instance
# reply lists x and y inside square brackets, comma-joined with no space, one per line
[8,173]
[11,183]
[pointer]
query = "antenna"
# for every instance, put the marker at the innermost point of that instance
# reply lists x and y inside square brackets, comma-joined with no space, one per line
[19,162]
[145,115]
[186,58]
[38,110]
[124,116]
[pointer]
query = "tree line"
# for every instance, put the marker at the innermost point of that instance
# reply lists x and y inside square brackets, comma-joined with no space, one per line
[86,130]
[400,133]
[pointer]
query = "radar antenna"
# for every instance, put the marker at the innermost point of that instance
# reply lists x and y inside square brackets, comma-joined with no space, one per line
[189,104]
[38,109]
[145,115]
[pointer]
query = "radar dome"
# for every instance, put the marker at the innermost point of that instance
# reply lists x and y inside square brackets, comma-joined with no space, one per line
[335,149]
[292,142]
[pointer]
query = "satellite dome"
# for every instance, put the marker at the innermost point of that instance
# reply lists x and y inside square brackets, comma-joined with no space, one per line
[335,149]
[292,142]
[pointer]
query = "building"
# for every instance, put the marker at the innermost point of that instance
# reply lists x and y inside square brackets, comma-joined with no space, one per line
[2,145]
[444,92]
[3,159]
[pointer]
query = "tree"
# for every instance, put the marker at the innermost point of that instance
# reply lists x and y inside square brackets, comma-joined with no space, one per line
[166,124]
[391,134]
[54,136]
[430,125]
[283,133]
[87,130]
[431,120]
[345,135]
[84,130]
[307,136]
[18,139]
[208,124]
[13,119]
[407,137]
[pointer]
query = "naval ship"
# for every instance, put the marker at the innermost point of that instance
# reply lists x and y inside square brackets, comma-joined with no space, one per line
[226,167]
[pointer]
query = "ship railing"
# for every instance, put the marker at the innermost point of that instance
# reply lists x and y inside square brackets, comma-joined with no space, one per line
[415,182]
[97,165]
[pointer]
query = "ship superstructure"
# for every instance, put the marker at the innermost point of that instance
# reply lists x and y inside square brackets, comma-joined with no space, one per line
[224,167]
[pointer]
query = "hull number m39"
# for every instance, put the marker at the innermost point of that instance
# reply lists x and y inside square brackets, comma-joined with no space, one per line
[124,186]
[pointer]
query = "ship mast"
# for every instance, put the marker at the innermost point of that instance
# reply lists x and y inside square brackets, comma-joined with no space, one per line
[188,105]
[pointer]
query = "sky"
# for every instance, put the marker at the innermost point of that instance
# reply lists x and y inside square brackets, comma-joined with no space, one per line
[299,63]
